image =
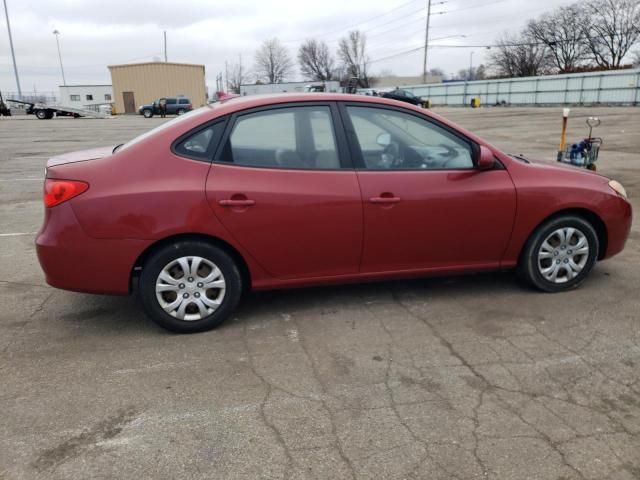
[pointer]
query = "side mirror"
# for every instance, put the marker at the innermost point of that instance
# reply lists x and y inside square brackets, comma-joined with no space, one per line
[486,159]
[384,139]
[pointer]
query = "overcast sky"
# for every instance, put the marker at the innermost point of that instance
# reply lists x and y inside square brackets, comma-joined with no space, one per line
[97,33]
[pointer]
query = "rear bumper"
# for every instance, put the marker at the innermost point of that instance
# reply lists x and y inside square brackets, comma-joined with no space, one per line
[72,260]
[618,222]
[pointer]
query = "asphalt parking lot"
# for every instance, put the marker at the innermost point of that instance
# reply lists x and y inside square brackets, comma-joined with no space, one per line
[459,377]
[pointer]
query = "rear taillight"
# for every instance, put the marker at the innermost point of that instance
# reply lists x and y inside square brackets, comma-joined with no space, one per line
[58,191]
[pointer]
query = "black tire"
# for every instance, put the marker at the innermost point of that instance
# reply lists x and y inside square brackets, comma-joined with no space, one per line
[165,255]
[528,267]
[41,114]
[147,113]
[181,111]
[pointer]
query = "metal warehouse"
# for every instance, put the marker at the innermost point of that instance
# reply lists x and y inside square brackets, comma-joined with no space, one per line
[136,84]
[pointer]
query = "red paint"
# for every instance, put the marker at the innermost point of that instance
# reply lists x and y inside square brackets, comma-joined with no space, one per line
[305,227]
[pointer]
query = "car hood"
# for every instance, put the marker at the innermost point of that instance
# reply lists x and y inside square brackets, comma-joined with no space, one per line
[80,156]
[551,166]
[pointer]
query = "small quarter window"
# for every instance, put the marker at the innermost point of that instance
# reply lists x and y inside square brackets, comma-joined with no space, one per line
[202,143]
[89,97]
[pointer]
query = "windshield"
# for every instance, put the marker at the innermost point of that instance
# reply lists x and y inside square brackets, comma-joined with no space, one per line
[159,128]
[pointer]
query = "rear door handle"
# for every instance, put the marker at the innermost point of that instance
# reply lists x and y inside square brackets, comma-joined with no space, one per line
[237,203]
[384,199]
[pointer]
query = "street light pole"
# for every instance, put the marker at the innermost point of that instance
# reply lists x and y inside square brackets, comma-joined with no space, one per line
[165,46]
[471,66]
[13,55]
[56,33]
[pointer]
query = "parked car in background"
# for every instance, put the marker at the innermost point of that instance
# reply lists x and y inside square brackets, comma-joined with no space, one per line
[266,192]
[175,106]
[403,96]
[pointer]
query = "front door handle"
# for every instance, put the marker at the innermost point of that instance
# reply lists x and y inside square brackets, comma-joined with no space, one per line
[384,199]
[237,203]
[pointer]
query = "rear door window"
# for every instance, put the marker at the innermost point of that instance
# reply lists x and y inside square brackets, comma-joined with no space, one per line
[183,101]
[290,137]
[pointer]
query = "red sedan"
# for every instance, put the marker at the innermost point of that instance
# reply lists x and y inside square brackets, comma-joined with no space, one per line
[295,190]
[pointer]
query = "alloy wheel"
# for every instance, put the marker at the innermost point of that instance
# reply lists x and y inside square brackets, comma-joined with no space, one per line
[190,288]
[563,255]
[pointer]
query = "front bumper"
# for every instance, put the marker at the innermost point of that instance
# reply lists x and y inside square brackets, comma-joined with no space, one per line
[72,260]
[618,220]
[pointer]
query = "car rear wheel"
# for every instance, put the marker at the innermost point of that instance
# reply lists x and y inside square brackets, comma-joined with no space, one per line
[181,111]
[560,254]
[42,115]
[190,286]
[147,113]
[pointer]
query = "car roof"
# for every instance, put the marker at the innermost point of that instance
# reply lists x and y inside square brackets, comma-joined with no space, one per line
[252,101]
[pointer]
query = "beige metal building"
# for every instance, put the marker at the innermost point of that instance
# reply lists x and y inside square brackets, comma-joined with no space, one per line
[135,84]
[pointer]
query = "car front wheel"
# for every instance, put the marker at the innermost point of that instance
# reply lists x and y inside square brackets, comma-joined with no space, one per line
[190,286]
[560,254]
[147,113]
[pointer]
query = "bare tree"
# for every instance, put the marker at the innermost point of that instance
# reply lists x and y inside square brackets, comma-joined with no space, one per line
[519,56]
[315,61]
[612,29]
[561,31]
[437,72]
[272,61]
[472,73]
[236,76]
[352,53]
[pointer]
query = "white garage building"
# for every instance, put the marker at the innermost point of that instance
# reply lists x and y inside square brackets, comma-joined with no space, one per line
[82,96]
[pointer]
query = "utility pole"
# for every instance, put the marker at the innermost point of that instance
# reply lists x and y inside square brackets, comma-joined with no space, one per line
[165,46]
[57,33]
[426,43]
[13,55]
[226,76]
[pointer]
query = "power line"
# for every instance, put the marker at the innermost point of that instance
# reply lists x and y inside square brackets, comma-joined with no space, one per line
[488,46]
[410,14]
[367,20]
[475,6]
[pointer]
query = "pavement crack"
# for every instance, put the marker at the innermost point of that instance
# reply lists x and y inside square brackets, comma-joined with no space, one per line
[316,374]
[262,408]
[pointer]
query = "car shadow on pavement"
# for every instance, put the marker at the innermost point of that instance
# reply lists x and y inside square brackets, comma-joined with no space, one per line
[348,295]
[103,315]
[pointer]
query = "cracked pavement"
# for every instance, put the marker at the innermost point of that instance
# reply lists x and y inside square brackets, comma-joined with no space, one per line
[470,377]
